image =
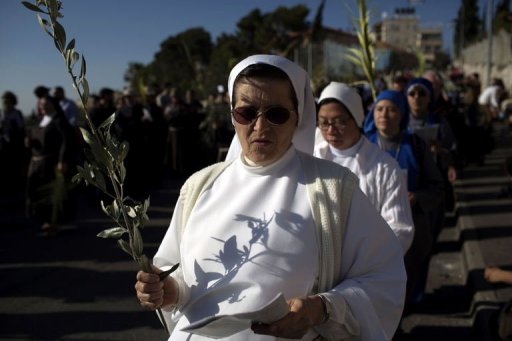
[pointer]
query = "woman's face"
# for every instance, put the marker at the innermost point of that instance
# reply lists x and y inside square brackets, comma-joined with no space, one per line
[418,99]
[46,106]
[337,126]
[387,118]
[261,141]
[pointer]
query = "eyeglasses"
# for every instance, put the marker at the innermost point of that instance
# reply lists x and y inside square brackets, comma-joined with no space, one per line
[274,115]
[420,93]
[337,123]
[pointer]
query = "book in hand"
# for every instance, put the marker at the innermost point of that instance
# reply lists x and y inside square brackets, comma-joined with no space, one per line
[428,133]
[220,326]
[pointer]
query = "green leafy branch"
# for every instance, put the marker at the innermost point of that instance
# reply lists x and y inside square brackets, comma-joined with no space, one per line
[364,56]
[104,154]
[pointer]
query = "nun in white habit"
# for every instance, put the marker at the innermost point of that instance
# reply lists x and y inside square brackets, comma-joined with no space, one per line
[274,221]
[340,118]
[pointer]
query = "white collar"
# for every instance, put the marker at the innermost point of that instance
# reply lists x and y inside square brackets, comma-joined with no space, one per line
[272,168]
[45,121]
[348,152]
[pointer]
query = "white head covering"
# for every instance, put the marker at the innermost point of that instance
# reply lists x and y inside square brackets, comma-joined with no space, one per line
[304,136]
[348,96]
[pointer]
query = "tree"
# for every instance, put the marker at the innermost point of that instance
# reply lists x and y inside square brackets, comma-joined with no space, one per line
[501,19]
[191,60]
[400,61]
[468,25]
[441,61]
[270,32]
[182,59]
[135,72]
[226,53]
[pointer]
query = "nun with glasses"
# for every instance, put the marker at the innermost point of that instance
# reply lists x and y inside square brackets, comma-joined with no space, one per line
[275,227]
[340,118]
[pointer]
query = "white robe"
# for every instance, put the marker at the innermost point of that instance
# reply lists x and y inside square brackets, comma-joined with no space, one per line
[252,235]
[381,179]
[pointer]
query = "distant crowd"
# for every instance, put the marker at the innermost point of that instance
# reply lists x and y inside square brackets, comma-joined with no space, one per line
[449,123]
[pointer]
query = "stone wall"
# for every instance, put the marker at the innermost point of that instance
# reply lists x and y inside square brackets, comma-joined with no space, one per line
[475,59]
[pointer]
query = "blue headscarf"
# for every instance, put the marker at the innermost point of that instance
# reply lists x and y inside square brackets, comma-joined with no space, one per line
[406,153]
[427,85]
[399,100]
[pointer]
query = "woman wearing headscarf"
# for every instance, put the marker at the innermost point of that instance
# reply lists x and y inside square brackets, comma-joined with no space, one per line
[386,126]
[340,118]
[436,132]
[274,221]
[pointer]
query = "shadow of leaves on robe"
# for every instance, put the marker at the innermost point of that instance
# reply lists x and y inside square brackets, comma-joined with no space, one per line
[232,257]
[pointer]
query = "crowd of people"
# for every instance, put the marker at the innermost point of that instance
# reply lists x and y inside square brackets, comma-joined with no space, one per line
[406,149]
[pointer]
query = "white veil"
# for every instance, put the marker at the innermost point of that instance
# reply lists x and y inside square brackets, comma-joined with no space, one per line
[304,136]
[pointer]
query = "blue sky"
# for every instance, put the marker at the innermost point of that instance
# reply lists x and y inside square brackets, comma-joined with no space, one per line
[113,33]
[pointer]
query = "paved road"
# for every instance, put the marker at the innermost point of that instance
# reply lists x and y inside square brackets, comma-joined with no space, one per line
[76,286]
[459,304]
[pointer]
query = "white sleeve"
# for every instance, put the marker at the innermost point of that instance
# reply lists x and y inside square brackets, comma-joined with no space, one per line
[169,254]
[368,303]
[396,209]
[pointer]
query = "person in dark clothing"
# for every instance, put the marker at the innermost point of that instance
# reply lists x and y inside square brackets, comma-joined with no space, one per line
[106,107]
[53,157]
[12,150]
[130,125]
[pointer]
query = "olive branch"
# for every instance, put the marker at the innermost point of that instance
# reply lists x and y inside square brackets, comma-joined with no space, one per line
[103,152]
[364,56]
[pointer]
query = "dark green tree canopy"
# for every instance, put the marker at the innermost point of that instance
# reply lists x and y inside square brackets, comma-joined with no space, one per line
[182,59]
[191,60]
[501,19]
[468,25]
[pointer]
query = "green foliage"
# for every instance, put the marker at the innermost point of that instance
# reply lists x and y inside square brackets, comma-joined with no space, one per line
[316,31]
[501,19]
[364,56]
[421,63]
[468,25]
[181,61]
[400,61]
[190,60]
[441,61]
[105,155]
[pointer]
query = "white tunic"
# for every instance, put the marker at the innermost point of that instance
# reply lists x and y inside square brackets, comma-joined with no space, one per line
[380,179]
[252,236]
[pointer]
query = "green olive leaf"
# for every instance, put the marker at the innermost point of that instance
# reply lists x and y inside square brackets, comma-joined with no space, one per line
[138,244]
[166,273]
[32,7]
[114,232]
[108,122]
[125,246]
[60,36]
[71,45]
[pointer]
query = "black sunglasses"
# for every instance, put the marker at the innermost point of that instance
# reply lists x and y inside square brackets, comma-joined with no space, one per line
[420,93]
[274,115]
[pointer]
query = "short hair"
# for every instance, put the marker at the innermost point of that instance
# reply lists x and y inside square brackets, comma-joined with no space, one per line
[267,72]
[11,97]
[399,79]
[104,92]
[41,91]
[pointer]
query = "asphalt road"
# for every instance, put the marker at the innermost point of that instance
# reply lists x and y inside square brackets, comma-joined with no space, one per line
[75,286]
